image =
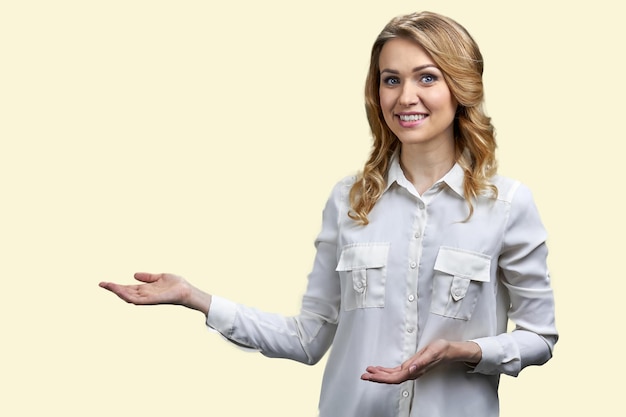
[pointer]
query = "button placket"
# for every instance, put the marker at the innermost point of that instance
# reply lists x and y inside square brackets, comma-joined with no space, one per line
[411,323]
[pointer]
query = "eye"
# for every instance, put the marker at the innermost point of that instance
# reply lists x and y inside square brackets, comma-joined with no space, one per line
[428,78]
[391,81]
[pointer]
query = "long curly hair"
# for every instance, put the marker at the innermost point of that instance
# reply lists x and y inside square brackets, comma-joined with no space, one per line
[458,57]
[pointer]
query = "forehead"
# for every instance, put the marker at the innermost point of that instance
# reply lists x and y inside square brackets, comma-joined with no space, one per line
[402,53]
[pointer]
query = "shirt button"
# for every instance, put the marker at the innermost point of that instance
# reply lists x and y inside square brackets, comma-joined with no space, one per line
[410,330]
[405,393]
[421,205]
[417,235]
[411,297]
[413,265]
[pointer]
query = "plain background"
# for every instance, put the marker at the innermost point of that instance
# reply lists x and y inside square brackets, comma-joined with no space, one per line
[203,138]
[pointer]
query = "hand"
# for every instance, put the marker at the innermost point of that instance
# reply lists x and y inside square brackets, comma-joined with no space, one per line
[161,289]
[436,353]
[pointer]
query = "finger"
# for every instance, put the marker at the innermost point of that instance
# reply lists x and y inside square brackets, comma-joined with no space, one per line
[379,369]
[111,286]
[147,277]
[128,293]
[387,377]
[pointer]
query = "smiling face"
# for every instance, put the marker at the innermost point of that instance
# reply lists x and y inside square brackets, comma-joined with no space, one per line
[415,100]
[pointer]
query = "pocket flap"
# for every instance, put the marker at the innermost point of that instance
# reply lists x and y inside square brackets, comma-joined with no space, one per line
[363,256]
[462,263]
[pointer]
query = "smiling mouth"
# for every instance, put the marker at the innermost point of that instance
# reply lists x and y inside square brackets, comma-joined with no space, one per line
[411,117]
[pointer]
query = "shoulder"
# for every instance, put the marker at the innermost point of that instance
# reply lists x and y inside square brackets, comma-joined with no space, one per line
[510,189]
[348,181]
[523,217]
[339,197]
[341,190]
[336,208]
[514,193]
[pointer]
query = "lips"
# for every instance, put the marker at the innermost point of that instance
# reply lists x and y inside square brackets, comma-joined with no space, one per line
[411,119]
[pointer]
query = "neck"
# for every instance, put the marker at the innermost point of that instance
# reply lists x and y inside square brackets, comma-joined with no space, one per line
[424,167]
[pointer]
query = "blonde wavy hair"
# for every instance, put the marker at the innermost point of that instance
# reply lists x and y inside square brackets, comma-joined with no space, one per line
[457,55]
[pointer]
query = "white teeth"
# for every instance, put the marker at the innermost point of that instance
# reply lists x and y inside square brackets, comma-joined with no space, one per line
[411,117]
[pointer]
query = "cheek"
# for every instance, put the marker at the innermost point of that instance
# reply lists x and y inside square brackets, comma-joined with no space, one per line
[386,100]
[387,104]
[443,100]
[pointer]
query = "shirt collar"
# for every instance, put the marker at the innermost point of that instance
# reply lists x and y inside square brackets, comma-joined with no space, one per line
[395,173]
[453,178]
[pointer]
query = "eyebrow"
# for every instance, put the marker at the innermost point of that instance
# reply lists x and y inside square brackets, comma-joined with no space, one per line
[416,69]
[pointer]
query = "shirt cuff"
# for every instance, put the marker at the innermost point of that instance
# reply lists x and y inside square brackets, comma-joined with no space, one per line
[500,354]
[492,356]
[221,315]
[221,319]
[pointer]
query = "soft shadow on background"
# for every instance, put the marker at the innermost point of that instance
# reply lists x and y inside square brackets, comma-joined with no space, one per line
[203,138]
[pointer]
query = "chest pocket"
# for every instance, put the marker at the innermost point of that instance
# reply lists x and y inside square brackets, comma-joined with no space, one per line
[457,282]
[363,271]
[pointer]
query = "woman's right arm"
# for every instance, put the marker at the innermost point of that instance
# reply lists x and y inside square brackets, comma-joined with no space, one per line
[306,336]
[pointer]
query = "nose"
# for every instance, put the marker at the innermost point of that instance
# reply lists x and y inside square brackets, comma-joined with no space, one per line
[409,95]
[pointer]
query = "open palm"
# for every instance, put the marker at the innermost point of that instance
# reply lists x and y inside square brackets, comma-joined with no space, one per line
[156,289]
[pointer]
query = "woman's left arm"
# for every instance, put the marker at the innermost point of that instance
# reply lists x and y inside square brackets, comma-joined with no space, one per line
[523,271]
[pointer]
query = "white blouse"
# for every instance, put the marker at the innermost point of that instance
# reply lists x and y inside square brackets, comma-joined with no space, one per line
[416,273]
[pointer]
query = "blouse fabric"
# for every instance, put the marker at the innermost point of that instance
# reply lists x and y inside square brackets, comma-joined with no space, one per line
[419,271]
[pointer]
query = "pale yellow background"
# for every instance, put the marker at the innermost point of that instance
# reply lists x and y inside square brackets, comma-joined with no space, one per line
[203,137]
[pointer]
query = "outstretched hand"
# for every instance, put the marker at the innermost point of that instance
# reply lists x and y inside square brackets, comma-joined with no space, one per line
[161,289]
[157,289]
[436,353]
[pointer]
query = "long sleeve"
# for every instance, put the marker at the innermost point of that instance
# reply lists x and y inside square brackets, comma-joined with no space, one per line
[523,272]
[307,336]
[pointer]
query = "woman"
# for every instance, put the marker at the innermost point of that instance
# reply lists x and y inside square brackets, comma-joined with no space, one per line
[421,259]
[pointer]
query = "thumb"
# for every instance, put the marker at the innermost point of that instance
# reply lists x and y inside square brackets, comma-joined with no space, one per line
[147,277]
